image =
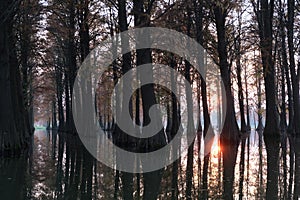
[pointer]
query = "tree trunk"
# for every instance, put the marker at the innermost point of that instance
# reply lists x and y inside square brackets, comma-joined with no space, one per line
[247,101]
[230,134]
[239,76]
[260,126]
[174,128]
[198,9]
[294,74]
[283,122]
[271,131]
[59,95]
[295,85]
[143,56]
[127,178]
[190,120]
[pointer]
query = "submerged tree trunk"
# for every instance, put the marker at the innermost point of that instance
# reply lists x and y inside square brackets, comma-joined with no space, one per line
[271,132]
[54,118]
[242,168]
[71,62]
[230,134]
[258,80]
[244,129]
[59,95]
[198,9]
[247,101]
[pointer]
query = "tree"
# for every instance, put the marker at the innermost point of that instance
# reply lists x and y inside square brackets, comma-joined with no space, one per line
[14,129]
[264,13]
[142,12]
[230,134]
[295,76]
[27,43]
[199,23]
[124,140]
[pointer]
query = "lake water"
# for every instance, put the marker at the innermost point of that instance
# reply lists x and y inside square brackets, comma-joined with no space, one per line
[59,167]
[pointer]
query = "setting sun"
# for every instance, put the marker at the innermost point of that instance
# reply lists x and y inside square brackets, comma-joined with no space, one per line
[216,148]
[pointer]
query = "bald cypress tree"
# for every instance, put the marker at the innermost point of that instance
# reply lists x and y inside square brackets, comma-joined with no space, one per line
[14,130]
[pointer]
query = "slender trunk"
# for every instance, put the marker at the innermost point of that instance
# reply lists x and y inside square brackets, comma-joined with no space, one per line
[190,156]
[207,134]
[138,123]
[198,10]
[297,169]
[67,101]
[127,178]
[174,181]
[294,73]
[199,135]
[190,122]
[242,111]
[59,94]
[247,101]
[242,168]
[239,77]
[291,167]
[283,122]
[116,189]
[290,128]
[295,86]
[54,119]
[118,108]
[174,128]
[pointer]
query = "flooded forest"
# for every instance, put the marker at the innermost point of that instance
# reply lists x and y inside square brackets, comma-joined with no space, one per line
[149,99]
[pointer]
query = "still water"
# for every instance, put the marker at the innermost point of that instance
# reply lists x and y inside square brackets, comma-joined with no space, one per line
[59,167]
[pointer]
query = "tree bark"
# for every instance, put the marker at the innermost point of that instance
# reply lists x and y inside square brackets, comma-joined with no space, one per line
[152,179]
[127,178]
[271,132]
[230,134]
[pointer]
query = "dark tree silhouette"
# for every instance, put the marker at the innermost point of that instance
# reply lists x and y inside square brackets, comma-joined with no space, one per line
[264,12]
[14,126]
[230,134]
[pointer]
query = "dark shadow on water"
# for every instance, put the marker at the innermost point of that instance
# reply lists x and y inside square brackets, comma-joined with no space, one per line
[59,167]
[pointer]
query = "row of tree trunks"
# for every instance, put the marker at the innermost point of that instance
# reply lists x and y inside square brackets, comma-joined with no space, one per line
[14,126]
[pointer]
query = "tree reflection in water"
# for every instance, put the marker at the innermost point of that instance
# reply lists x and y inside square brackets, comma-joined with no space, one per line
[59,167]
